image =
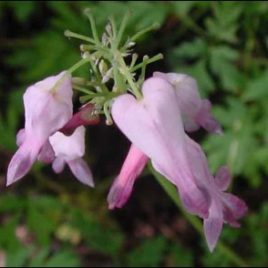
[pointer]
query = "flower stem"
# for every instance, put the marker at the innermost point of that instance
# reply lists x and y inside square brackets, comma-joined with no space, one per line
[78,65]
[196,223]
[151,60]
[121,29]
[93,25]
[126,72]
[144,31]
[68,33]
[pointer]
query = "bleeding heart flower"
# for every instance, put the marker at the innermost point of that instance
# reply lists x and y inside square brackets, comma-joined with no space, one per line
[154,126]
[48,106]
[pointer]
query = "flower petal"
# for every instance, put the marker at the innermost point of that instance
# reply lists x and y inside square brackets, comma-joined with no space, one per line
[195,111]
[223,178]
[81,171]
[20,138]
[235,208]
[69,147]
[212,230]
[22,161]
[123,184]
[47,154]
[206,120]
[58,164]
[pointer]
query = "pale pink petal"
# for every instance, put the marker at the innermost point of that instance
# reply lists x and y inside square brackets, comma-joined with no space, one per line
[58,165]
[123,184]
[223,178]
[214,223]
[47,154]
[156,129]
[69,147]
[22,161]
[20,138]
[234,208]
[195,111]
[206,120]
[81,171]
[48,106]
[212,230]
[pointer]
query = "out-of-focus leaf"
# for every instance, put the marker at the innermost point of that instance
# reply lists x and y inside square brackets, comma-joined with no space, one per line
[222,63]
[179,256]
[223,26]
[105,239]
[257,88]
[148,254]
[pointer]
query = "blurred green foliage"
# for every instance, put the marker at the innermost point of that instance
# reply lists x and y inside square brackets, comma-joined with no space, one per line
[224,45]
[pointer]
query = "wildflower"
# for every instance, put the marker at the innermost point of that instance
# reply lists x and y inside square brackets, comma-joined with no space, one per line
[48,106]
[195,111]
[154,126]
[123,184]
[70,150]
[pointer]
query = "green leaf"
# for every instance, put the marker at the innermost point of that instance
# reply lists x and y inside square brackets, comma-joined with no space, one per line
[222,63]
[180,256]
[256,89]
[148,254]
[224,25]
[191,50]
[200,73]
[63,258]
[105,239]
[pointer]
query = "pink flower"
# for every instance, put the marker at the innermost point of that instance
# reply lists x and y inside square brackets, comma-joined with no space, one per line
[154,126]
[195,111]
[48,107]
[70,150]
[123,184]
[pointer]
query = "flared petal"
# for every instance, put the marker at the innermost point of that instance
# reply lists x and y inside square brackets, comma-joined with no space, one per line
[213,224]
[205,119]
[234,209]
[81,171]
[69,147]
[154,125]
[22,161]
[195,111]
[123,184]
[223,178]
[47,154]
[58,164]
[20,137]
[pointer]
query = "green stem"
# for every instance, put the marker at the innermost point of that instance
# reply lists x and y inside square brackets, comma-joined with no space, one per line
[127,74]
[151,60]
[78,65]
[68,33]
[121,30]
[196,223]
[144,31]
[93,26]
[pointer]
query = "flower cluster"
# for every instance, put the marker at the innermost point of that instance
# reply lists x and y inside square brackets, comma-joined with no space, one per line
[154,114]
